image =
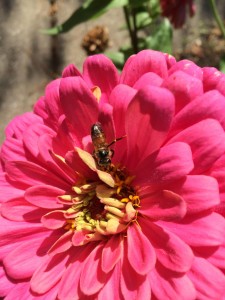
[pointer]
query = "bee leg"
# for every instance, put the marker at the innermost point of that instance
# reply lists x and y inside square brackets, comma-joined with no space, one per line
[112,152]
[116,140]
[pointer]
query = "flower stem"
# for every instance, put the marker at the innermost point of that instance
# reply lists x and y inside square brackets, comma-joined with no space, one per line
[131,28]
[135,39]
[217,17]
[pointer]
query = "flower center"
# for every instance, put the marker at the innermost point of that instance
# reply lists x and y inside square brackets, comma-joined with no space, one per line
[99,209]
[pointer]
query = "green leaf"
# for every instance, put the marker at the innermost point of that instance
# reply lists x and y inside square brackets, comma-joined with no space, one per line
[154,8]
[118,58]
[161,39]
[222,64]
[143,19]
[138,3]
[89,10]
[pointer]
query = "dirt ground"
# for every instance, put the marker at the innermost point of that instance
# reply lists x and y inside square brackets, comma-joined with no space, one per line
[29,59]
[201,40]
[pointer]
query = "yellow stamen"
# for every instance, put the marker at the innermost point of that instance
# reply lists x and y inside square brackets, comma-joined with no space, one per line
[136,201]
[77,190]
[65,197]
[96,92]
[111,216]
[113,202]
[115,211]
[124,200]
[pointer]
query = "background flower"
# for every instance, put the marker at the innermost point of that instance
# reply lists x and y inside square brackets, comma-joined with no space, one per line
[175,10]
[149,225]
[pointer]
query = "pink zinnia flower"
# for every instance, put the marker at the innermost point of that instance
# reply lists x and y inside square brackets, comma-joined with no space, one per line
[175,10]
[149,224]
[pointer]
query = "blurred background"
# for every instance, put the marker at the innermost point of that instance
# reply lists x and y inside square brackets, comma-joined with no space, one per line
[30,59]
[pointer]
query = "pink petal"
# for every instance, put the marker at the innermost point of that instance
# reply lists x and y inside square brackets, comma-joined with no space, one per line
[23,291]
[106,120]
[11,231]
[141,254]
[92,276]
[163,205]
[220,85]
[17,240]
[168,164]
[79,237]
[209,105]
[62,244]
[199,192]
[170,250]
[217,257]
[111,288]
[78,101]
[218,172]
[40,108]
[120,98]
[170,60]
[54,219]
[133,285]
[184,87]
[107,77]
[65,140]
[71,70]
[49,273]
[188,67]
[143,62]
[211,77]
[58,165]
[44,196]
[28,174]
[142,290]
[170,286]
[201,231]
[208,280]
[52,162]
[20,123]
[8,191]
[69,284]
[6,248]
[5,283]
[207,142]
[24,259]
[149,78]
[12,149]
[112,252]
[52,101]
[73,160]
[20,210]
[32,135]
[153,108]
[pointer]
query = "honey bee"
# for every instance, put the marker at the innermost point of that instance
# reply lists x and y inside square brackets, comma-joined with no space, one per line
[102,152]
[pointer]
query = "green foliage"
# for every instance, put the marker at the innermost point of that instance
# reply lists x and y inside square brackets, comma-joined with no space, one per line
[143,19]
[154,8]
[91,9]
[138,3]
[161,39]
[118,58]
[222,64]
